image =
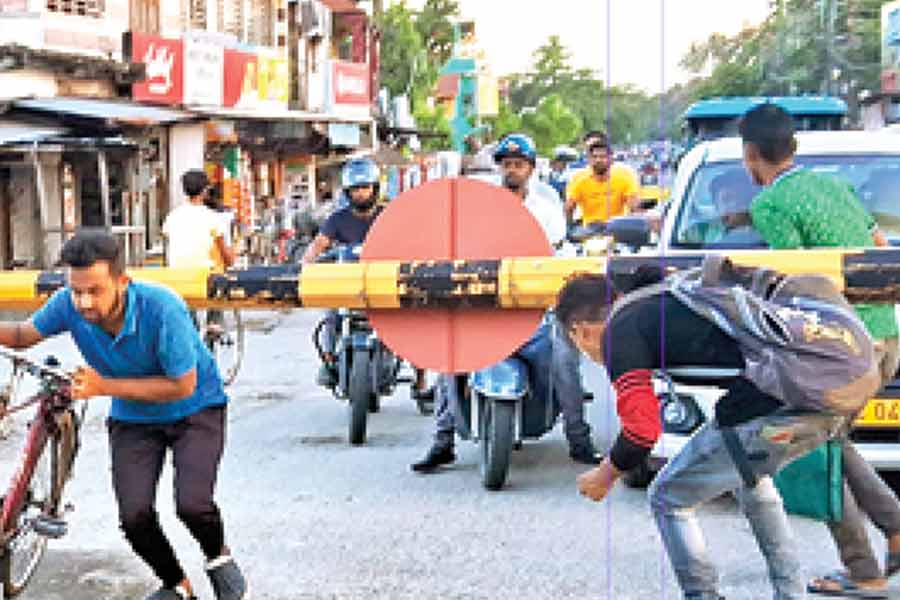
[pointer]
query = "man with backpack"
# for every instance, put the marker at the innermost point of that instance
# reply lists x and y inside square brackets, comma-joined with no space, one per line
[799,208]
[767,417]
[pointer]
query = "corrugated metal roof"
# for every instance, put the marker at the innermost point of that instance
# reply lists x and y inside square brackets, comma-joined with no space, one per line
[21,132]
[129,113]
[736,107]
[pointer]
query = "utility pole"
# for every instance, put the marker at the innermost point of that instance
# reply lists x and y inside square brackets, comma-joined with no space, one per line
[830,13]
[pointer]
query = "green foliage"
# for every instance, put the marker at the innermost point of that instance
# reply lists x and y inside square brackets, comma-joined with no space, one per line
[436,29]
[507,121]
[433,120]
[551,124]
[402,50]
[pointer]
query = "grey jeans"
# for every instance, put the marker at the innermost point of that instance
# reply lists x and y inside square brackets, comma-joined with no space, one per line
[565,378]
[865,493]
[704,470]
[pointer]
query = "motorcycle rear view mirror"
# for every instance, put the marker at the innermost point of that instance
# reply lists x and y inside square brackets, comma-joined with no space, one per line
[633,231]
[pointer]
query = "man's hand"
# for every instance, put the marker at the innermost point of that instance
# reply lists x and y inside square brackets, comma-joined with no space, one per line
[87,384]
[596,483]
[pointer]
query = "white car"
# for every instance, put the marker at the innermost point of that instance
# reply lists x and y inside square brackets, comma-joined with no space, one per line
[870,162]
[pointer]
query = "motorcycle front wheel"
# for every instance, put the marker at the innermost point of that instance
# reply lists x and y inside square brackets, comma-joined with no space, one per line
[360,389]
[497,427]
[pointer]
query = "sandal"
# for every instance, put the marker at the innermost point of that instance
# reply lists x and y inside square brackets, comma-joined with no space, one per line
[891,564]
[839,584]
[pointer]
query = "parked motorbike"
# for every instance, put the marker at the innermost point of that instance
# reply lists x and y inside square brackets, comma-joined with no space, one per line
[366,368]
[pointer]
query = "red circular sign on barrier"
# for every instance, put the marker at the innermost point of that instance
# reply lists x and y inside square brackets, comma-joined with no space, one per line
[455,219]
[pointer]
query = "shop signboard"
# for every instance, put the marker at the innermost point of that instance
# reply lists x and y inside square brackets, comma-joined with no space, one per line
[890,47]
[204,67]
[163,59]
[350,83]
[241,82]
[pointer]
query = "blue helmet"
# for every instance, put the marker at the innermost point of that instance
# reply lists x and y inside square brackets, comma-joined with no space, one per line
[358,172]
[516,145]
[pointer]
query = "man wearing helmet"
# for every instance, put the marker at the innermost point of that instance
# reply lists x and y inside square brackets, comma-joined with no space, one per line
[347,225]
[516,157]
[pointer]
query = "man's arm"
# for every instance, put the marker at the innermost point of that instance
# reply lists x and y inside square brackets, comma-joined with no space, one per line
[19,335]
[775,227]
[225,251]
[319,245]
[155,390]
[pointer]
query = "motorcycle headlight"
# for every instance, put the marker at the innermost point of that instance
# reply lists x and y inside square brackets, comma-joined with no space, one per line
[679,413]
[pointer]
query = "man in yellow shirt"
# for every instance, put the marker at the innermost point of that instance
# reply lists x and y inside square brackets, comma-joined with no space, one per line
[603,190]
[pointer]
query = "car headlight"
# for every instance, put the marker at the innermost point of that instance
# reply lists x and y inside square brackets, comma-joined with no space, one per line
[679,413]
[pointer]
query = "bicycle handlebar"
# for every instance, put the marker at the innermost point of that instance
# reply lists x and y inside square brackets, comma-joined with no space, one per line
[33,368]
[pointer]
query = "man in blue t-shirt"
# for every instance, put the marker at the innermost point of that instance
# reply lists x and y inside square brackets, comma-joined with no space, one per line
[142,349]
[346,226]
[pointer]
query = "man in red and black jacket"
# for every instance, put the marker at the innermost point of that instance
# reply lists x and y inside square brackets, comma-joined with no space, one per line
[642,333]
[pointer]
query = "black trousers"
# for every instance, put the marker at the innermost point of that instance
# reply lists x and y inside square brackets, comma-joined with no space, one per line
[138,451]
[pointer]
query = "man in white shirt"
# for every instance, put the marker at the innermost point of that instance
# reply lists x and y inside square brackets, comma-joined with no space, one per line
[516,156]
[195,235]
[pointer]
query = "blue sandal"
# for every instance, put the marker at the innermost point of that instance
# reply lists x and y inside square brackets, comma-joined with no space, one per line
[838,584]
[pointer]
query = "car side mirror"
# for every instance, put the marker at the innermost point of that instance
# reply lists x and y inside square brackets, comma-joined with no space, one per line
[631,231]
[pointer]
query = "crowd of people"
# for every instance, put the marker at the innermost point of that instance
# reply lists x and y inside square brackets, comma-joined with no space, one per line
[142,348]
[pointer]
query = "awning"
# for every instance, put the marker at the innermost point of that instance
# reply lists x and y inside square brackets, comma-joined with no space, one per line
[112,111]
[22,132]
[282,114]
[342,7]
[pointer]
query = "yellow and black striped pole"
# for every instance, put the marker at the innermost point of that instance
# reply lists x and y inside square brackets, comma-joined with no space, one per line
[510,283]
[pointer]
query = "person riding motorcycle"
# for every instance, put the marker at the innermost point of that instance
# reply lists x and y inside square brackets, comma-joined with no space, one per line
[516,157]
[347,225]
[559,173]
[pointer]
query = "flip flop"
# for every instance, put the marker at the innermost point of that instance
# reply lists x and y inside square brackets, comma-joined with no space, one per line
[891,564]
[838,584]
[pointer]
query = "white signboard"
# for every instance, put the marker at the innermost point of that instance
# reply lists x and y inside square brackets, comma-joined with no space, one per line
[204,67]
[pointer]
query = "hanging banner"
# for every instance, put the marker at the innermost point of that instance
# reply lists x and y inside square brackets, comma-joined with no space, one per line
[350,83]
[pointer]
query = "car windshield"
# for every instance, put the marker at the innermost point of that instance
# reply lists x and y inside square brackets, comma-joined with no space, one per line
[715,211]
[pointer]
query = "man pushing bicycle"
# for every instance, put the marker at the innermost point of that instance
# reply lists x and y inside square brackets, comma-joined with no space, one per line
[167,393]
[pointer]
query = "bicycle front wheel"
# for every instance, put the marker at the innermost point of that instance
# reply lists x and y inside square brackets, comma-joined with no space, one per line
[24,546]
[225,338]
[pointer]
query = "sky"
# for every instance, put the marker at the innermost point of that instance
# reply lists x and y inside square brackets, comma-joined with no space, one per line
[510,30]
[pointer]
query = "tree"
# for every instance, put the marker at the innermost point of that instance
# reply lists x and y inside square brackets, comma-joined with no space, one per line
[402,50]
[551,123]
[435,25]
[507,121]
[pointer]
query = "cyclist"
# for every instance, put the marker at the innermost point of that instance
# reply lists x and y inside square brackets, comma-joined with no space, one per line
[167,394]
[347,225]
[197,236]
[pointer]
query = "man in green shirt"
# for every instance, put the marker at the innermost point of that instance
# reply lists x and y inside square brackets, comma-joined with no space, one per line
[799,208]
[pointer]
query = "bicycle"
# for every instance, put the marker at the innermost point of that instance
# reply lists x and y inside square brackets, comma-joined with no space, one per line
[32,509]
[224,336]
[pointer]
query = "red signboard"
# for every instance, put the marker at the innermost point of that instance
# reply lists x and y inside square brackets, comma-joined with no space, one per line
[164,61]
[241,85]
[350,82]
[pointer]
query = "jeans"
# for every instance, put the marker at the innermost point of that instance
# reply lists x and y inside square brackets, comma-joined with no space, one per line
[704,470]
[138,451]
[328,337]
[865,493]
[559,368]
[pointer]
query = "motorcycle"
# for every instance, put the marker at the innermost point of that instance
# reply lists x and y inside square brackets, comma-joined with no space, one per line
[366,368]
[503,405]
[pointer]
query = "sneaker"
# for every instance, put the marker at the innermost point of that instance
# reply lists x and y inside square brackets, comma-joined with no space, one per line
[584,454]
[327,376]
[164,593]
[227,581]
[439,454]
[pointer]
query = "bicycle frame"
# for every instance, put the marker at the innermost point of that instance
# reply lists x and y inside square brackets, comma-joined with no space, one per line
[30,512]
